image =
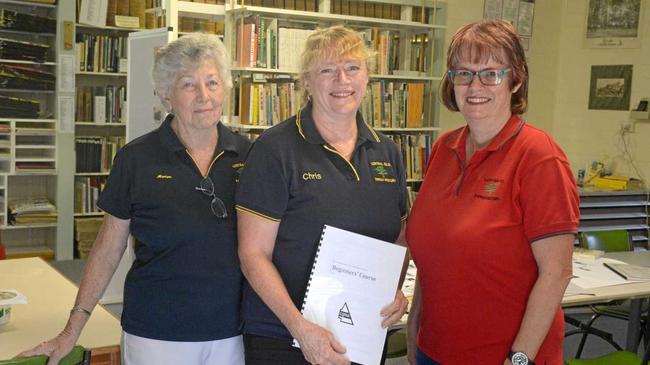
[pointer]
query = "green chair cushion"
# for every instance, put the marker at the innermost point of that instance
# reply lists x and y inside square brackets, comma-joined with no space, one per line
[76,356]
[615,358]
[396,345]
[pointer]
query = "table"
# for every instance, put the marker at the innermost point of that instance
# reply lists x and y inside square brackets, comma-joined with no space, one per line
[50,296]
[637,291]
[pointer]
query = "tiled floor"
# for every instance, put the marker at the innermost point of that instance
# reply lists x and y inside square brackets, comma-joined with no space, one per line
[594,347]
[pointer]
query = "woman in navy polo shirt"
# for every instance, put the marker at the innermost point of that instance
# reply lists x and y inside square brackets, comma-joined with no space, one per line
[319,167]
[172,190]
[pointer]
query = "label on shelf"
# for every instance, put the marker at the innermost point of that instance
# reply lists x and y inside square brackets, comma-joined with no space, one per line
[124,21]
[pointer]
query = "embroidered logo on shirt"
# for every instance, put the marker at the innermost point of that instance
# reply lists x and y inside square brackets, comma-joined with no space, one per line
[160,176]
[382,172]
[312,176]
[489,189]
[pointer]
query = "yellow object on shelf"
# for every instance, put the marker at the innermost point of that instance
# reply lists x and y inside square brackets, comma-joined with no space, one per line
[610,183]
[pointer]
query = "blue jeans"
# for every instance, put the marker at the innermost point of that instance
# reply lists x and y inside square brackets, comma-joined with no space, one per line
[422,359]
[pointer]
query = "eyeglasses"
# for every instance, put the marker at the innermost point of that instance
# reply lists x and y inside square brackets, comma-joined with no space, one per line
[217,205]
[488,76]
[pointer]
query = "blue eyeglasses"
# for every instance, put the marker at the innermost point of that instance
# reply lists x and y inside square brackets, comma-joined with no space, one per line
[488,76]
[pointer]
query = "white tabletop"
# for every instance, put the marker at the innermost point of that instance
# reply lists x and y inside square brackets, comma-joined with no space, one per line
[50,296]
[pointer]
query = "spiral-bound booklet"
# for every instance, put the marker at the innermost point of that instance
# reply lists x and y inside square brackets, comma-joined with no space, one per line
[352,279]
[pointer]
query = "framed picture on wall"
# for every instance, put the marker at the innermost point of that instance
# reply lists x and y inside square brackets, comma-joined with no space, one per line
[614,23]
[519,13]
[610,87]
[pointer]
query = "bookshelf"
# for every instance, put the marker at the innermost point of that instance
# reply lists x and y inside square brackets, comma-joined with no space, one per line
[265,39]
[408,35]
[28,128]
[100,110]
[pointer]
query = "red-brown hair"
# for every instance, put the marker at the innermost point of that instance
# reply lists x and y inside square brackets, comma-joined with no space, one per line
[477,43]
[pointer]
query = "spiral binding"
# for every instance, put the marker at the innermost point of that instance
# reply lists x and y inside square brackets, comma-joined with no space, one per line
[311,274]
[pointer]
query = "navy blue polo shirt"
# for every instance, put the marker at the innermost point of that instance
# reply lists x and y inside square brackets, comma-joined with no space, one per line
[185,283]
[294,177]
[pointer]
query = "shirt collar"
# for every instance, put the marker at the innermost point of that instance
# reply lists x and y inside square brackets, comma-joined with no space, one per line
[308,131]
[456,139]
[226,141]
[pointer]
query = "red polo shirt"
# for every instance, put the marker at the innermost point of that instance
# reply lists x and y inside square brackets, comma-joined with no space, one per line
[470,233]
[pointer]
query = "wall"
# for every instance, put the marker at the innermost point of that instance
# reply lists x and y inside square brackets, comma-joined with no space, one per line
[559,83]
[587,134]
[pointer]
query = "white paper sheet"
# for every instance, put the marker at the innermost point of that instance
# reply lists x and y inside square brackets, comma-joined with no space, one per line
[353,278]
[593,274]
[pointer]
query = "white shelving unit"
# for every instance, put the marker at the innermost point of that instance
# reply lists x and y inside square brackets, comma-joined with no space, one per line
[28,146]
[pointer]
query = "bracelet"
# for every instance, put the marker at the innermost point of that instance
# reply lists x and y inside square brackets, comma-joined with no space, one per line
[77,308]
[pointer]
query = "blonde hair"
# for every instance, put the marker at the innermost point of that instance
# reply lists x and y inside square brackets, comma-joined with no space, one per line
[335,42]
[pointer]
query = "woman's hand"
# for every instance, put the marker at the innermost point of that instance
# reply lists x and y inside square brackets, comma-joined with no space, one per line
[319,346]
[56,348]
[394,311]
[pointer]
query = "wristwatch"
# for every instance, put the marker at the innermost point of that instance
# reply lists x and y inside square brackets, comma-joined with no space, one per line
[519,358]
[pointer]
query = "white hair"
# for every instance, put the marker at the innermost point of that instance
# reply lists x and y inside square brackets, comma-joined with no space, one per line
[187,53]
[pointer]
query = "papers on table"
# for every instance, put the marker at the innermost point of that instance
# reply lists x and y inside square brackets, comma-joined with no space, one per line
[630,272]
[589,274]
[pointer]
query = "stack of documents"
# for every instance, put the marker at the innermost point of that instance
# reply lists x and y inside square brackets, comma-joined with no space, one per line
[590,273]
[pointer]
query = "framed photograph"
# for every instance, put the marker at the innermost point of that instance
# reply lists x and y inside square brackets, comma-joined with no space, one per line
[614,23]
[610,87]
[519,13]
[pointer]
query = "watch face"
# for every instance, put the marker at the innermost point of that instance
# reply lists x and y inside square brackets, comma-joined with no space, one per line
[519,358]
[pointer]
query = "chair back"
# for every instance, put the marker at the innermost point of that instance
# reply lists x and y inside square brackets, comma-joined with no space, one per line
[78,356]
[609,241]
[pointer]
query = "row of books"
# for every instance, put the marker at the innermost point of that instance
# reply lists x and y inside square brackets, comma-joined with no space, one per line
[25,77]
[133,8]
[390,104]
[101,53]
[24,51]
[261,43]
[100,104]
[17,107]
[386,45]
[268,103]
[387,104]
[186,24]
[14,20]
[86,190]
[95,154]
[303,5]
[415,151]
[366,8]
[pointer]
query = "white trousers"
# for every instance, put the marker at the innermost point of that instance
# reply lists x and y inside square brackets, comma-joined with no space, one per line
[145,351]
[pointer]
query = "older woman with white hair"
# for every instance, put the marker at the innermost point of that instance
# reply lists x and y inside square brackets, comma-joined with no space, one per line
[173,190]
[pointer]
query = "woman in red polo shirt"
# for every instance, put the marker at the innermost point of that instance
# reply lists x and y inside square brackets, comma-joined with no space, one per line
[492,229]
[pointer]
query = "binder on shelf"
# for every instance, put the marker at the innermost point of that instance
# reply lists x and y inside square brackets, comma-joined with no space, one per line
[352,278]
